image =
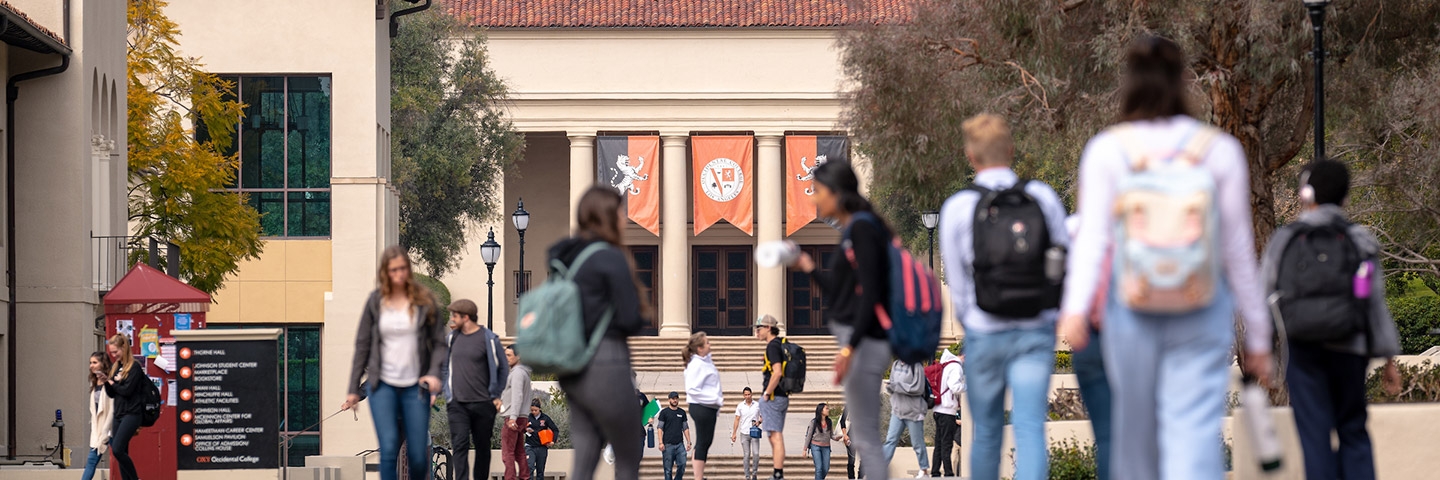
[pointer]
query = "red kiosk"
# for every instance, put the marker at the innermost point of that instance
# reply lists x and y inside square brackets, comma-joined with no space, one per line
[148,304]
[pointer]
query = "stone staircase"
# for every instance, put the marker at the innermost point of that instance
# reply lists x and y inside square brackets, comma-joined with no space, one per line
[731,354]
[728,467]
[801,404]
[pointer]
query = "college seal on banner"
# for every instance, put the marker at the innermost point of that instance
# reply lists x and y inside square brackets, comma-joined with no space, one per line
[722,180]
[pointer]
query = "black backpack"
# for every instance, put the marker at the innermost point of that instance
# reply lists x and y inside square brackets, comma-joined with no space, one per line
[151,402]
[793,380]
[1010,240]
[1315,283]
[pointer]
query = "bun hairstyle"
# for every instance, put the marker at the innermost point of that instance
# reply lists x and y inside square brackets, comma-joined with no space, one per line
[1153,85]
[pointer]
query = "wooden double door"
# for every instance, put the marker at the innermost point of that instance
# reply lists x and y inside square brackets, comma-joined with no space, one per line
[724,292]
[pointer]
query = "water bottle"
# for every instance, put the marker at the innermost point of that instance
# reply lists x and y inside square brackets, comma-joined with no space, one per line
[1362,279]
[1055,265]
[1256,408]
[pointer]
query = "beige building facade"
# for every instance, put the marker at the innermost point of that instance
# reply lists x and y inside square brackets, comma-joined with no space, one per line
[64,154]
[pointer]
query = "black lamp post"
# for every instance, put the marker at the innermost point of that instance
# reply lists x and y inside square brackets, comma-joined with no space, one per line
[932,220]
[522,221]
[490,252]
[1317,24]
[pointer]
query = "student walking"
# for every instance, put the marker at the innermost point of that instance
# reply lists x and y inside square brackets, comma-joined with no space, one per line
[515,409]
[124,384]
[747,422]
[473,377]
[997,235]
[907,410]
[1176,195]
[774,401]
[1089,365]
[537,441]
[947,413]
[703,394]
[102,413]
[399,350]
[1335,319]
[853,290]
[674,426]
[849,450]
[599,411]
[817,440]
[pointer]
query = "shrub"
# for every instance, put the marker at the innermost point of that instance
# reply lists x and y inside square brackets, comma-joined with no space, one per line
[1414,317]
[442,293]
[1072,460]
[1063,362]
[1418,384]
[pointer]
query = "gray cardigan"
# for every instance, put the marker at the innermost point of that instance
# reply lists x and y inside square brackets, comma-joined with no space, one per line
[1386,340]
[515,400]
[365,368]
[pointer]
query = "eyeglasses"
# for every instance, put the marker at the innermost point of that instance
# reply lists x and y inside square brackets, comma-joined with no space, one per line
[399,269]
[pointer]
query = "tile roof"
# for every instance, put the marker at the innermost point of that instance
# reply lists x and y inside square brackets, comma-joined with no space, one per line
[14,33]
[676,13]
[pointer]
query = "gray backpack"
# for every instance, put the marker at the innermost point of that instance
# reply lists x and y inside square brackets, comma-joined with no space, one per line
[907,379]
[552,321]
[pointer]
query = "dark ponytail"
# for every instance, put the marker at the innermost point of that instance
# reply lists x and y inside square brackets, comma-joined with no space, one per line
[1153,86]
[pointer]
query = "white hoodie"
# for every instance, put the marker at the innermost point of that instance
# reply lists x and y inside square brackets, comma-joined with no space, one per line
[702,382]
[953,384]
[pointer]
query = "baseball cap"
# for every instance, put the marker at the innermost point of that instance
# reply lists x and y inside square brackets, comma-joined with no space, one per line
[674,395]
[767,321]
[465,307]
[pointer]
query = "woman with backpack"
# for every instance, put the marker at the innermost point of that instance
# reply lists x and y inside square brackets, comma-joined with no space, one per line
[102,413]
[853,289]
[125,384]
[702,393]
[817,440]
[399,350]
[1176,195]
[608,287]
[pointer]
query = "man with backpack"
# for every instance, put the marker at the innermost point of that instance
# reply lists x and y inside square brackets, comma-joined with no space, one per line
[1323,277]
[473,378]
[774,401]
[947,381]
[1003,241]
[908,403]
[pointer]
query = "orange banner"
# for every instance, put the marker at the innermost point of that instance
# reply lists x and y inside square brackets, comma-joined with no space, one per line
[723,178]
[632,166]
[804,154]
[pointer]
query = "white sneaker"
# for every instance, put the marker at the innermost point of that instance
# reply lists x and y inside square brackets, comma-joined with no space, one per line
[921,475]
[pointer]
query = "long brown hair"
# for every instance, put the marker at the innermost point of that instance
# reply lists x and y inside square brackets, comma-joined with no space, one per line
[419,295]
[1153,86]
[105,365]
[598,218]
[692,349]
[126,361]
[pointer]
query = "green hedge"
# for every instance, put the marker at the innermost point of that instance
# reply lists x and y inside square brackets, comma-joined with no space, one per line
[1414,317]
[442,293]
[1072,460]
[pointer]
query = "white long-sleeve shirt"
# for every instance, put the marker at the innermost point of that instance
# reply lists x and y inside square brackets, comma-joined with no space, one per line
[1102,167]
[957,241]
[702,382]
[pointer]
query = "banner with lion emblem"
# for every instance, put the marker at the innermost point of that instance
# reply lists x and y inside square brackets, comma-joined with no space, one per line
[631,165]
[724,173]
[803,154]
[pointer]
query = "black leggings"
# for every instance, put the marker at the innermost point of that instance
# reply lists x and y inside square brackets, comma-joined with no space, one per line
[124,430]
[704,429]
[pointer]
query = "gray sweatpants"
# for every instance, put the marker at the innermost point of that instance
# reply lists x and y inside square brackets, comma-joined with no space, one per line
[604,409]
[750,455]
[868,363]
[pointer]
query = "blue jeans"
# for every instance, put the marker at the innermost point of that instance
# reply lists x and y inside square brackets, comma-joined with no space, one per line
[674,456]
[1170,379]
[393,409]
[1021,360]
[1095,391]
[821,456]
[917,439]
[90,462]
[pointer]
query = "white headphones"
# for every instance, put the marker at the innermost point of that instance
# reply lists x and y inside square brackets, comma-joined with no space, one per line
[1307,192]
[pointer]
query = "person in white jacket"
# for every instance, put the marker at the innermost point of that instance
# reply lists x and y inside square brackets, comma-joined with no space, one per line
[703,394]
[102,413]
[947,413]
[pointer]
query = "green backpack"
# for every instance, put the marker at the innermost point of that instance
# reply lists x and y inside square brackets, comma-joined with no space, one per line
[552,321]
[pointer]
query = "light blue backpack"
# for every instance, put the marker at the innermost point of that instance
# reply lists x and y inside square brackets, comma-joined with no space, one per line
[1167,222]
[552,336]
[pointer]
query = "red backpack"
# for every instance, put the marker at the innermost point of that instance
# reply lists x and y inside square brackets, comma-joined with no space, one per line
[935,377]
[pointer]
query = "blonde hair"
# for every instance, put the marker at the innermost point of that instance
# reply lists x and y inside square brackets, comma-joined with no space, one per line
[126,360]
[987,138]
[697,340]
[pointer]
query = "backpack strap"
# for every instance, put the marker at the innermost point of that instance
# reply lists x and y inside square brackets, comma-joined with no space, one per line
[569,271]
[1193,146]
[1198,144]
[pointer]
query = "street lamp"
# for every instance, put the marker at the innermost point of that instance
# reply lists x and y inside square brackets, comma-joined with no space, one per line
[522,221]
[932,220]
[1317,24]
[490,252]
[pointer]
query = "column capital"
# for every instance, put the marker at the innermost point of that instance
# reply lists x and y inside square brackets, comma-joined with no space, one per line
[674,139]
[768,140]
[577,138]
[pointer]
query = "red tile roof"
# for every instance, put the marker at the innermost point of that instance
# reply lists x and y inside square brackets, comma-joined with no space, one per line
[676,13]
[16,13]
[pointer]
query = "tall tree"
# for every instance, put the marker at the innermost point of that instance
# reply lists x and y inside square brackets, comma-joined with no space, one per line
[451,141]
[176,179]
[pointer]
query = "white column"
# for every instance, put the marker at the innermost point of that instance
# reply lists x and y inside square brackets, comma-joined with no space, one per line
[770,184]
[674,239]
[582,170]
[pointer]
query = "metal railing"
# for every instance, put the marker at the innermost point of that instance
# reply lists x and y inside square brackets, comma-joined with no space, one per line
[116,254]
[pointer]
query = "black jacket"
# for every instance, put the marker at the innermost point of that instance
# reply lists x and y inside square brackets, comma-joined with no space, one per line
[844,304]
[542,422]
[605,282]
[127,390]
